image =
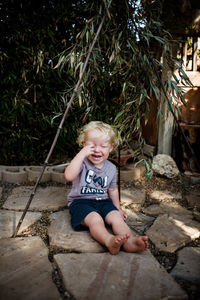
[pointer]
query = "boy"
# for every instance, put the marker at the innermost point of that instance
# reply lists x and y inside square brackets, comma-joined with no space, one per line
[94,199]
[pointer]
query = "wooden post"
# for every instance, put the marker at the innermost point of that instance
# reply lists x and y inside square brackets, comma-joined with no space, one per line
[184,53]
[165,128]
[194,53]
[166,119]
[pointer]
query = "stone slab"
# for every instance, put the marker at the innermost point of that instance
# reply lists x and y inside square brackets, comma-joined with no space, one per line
[62,235]
[133,198]
[48,198]
[165,195]
[138,221]
[188,265]
[170,232]
[166,208]
[127,276]
[196,215]
[26,273]
[10,219]
[193,200]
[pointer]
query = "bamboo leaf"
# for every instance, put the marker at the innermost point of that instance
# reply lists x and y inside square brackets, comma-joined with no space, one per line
[112,57]
[156,91]
[61,59]
[72,59]
[175,77]
[80,99]
[124,88]
[87,36]
[55,117]
[26,91]
[119,114]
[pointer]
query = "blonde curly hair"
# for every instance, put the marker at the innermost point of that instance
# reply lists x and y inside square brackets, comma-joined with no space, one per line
[104,128]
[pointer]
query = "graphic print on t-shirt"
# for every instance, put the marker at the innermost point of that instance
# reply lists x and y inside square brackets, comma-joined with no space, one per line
[94,184]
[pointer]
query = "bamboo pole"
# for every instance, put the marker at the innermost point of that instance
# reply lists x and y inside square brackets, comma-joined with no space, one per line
[61,124]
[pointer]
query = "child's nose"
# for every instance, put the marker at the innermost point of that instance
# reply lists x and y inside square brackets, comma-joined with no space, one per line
[96,148]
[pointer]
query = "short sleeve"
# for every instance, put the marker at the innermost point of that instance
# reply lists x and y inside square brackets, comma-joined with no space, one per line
[113,182]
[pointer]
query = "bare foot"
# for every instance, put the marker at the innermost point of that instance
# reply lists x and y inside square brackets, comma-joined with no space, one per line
[115,242]
[136,244]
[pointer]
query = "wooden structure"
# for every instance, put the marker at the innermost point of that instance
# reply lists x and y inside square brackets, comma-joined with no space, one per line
[161,132]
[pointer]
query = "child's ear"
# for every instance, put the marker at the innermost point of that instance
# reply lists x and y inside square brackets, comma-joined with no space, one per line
[111,149]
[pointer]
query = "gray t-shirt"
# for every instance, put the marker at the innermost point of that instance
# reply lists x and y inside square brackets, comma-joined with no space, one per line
[93,183]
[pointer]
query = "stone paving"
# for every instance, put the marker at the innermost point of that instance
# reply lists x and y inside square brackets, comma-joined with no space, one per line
[26,272]
[85,269]
[55,198]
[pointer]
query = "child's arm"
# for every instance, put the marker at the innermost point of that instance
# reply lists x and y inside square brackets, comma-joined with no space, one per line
[72,170]
[114,195]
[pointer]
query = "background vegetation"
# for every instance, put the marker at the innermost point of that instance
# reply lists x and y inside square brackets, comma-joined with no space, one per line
[42,51]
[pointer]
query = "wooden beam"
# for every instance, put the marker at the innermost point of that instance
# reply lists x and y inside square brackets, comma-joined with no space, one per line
[166,119]
[184,53]
[194,54]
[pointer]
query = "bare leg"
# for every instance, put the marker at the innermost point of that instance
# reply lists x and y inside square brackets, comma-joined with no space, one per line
[99,232]
[119,227]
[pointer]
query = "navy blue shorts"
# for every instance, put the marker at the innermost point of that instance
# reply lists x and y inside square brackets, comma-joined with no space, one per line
[80,208]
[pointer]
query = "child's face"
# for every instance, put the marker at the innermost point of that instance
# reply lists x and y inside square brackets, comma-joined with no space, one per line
[102,147]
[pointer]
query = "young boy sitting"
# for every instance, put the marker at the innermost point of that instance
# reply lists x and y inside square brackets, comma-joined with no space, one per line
[94,199]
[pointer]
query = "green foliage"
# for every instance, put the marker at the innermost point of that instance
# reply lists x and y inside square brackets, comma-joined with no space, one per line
[42,52]
[121,68]
[34,33]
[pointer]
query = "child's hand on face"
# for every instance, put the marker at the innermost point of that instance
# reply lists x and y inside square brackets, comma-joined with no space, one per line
[88,150]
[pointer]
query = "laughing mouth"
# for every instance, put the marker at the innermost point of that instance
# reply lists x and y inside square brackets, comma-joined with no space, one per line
[96,156]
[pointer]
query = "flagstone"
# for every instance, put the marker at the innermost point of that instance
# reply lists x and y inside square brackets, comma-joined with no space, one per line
[62,235]
[166,196]
[9,220]
[188,265]
[116,277]
[196,215]
[48,198]
[133,198]
[26,272]
[170,232]
[166,208]
[138,221]
[193,200]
